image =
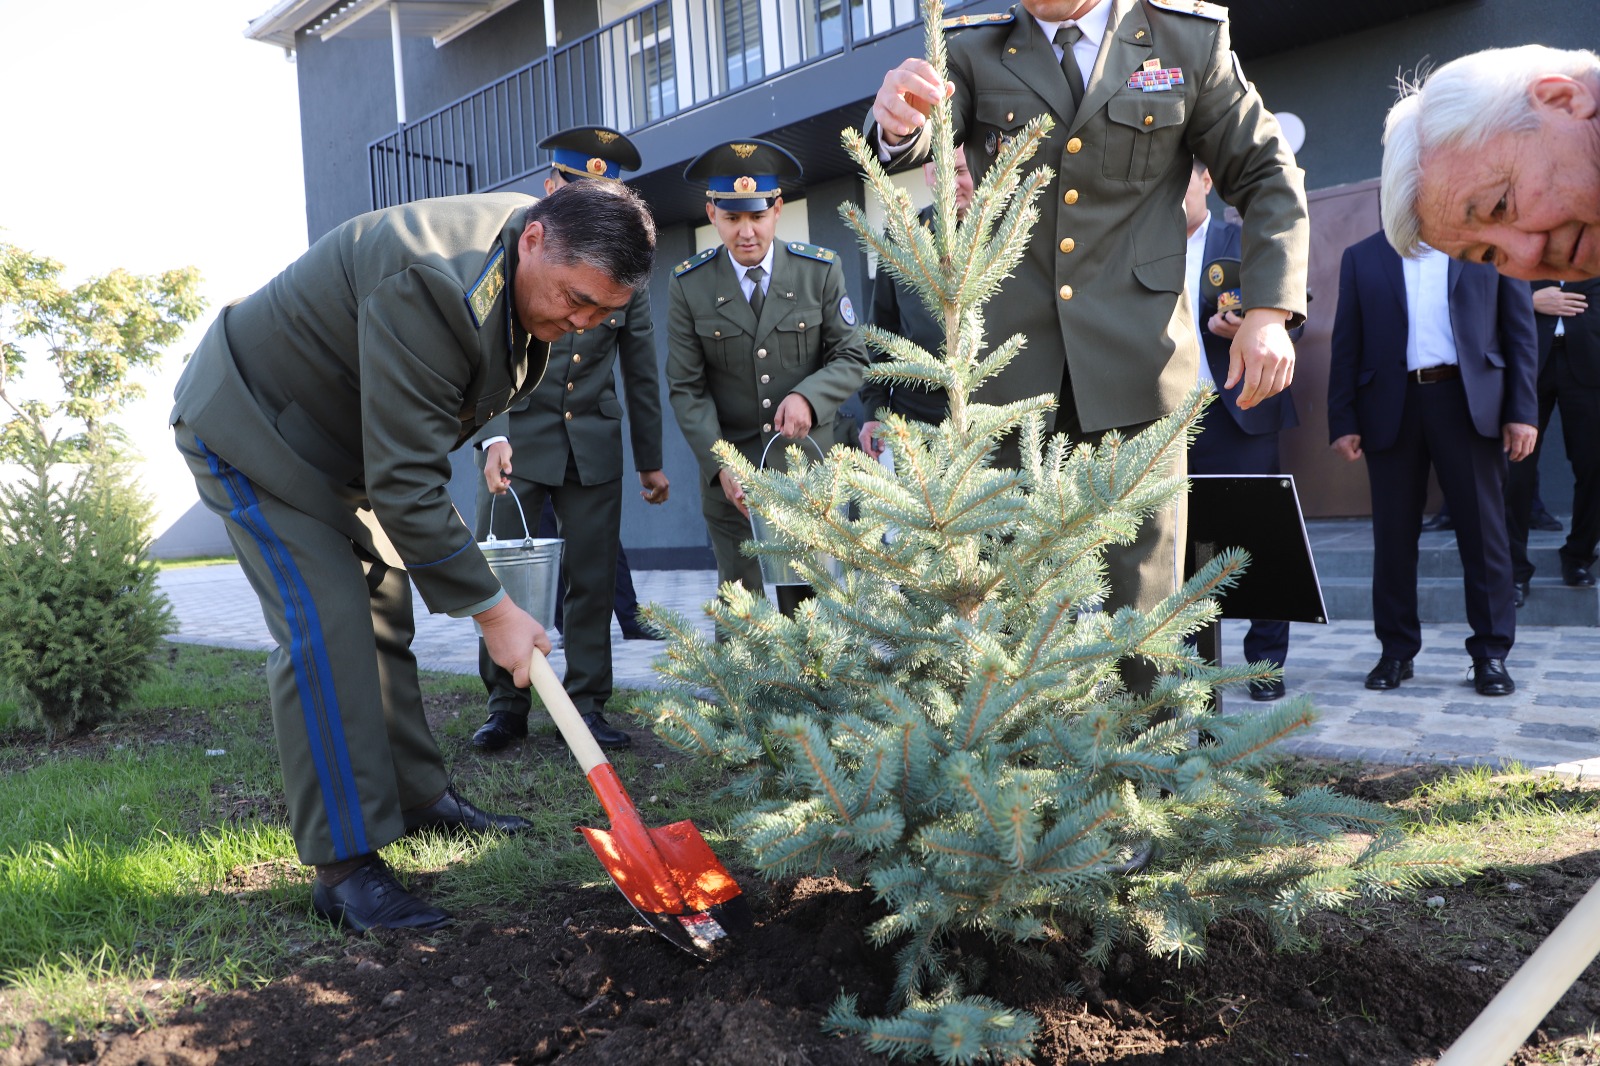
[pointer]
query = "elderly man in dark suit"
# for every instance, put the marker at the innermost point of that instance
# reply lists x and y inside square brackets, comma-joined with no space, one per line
[1233,439]
[1434,360]
[1569,375]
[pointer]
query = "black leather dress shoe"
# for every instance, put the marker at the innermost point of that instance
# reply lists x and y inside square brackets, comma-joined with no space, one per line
[1489,677]
[1389,673]
[453,812]
[501,729]
[632,630]
[1577,577]
[605,734]
[1546,521]
[1437,523]
[1267,691]
[1519,593]
[371,898]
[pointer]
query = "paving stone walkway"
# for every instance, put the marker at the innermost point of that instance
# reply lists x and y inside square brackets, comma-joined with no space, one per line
[1551,721]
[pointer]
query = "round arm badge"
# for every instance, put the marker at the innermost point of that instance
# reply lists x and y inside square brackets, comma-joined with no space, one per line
[847,311]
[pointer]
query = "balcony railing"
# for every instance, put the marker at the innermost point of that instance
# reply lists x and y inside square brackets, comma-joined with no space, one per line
[662,60]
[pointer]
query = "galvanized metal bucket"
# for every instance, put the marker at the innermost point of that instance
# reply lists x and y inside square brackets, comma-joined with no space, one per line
[528,569]
[776,570]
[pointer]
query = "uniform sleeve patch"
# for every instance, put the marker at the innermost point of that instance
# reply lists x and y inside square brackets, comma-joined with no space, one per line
[1214,12]
[847,311]
[694,261]
[484,291]
[812,251]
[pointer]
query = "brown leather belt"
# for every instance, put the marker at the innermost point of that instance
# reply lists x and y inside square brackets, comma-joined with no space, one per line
[1430,374]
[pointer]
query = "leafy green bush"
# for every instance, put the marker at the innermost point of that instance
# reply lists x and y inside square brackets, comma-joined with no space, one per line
[947,713]
[80,613]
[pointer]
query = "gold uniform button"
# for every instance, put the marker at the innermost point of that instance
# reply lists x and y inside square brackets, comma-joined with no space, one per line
[1066,292]
[580,331]
[800,325]
[766,403]
[766,427]
[570,386]
[1149,120]
[716,333]
[761,353]
[1010,116]
[577,358]
[568,416]
[1068,244]
[1074,146]
[1071,197]
[766,379]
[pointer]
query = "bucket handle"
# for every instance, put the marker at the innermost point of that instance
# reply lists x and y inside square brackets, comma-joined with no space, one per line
[773,440]
[527,538]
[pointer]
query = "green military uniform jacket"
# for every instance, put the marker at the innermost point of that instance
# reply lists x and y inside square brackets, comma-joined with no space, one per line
[343,384]
[575,411]
[1101,284]
[727,373]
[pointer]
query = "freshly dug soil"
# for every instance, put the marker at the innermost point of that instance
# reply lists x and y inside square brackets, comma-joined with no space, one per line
[577,979]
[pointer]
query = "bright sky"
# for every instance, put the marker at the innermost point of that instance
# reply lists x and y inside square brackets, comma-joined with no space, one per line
[151,136]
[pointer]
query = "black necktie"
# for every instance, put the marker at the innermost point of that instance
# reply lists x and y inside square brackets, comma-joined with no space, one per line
[757,297]
[1066,37]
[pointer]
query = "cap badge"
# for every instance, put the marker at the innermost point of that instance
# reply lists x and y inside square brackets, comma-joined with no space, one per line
[743,151]
[596,166]
[605,136]
[745,183]
[1214,274]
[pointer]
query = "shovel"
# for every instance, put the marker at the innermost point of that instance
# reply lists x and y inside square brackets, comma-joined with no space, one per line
[668,874]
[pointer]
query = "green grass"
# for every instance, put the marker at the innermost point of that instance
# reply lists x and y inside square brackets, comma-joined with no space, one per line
[155,859]
[193,561]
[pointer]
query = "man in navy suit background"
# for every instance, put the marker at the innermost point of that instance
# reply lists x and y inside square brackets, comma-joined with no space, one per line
[1434,360]
[1232,440]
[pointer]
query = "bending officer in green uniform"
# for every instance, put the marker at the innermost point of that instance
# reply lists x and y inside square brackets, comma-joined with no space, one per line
[761,337]
[567,442]
[317,416]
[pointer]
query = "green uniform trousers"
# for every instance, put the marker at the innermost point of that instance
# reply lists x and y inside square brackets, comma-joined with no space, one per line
[353,742]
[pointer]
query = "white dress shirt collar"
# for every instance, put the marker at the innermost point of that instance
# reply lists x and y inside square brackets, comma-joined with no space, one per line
[1093,25]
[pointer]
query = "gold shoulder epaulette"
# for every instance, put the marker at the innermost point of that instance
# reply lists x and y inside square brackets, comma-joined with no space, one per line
[961,22]
[695,260]
[812,251]
[481,297]
[1214,12]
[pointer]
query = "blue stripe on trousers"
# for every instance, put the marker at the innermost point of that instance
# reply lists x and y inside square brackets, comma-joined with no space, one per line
[308,653]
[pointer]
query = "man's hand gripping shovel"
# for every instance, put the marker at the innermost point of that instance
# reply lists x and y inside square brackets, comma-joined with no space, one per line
[668,874]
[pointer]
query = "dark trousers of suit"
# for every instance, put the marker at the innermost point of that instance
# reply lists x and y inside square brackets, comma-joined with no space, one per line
[589,520]
[729,530]
[1436,426]
[1223,448]
[1580,434]
[353,743]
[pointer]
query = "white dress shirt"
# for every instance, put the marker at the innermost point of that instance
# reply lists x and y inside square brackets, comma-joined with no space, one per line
[1194,263]
[1087,50]
[1430,340]
[746,285]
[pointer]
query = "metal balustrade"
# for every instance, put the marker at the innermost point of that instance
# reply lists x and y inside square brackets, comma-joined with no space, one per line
[662,60]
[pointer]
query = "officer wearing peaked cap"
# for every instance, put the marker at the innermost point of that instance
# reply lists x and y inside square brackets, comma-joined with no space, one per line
[762,336]
[564,444]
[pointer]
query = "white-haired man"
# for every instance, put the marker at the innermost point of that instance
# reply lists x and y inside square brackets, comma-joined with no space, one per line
[1495,158]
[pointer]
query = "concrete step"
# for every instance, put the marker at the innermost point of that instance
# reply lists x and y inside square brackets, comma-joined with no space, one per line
[1441,601]
[1437,556]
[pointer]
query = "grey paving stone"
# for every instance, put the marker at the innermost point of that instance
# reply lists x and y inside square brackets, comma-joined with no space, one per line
[1456,745]
[1567,699]
[1479,710]
[1551,731]
[1388,719]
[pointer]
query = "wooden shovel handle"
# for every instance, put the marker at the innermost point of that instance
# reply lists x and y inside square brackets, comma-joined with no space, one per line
[566,716]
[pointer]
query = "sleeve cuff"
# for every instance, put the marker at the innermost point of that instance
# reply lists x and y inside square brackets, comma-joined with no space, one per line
[479,607]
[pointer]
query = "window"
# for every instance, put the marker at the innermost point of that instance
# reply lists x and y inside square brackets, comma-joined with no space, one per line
[653,74]
[741,36]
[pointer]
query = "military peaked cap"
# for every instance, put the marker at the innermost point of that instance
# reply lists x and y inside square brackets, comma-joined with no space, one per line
[743,175]
[591,152]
